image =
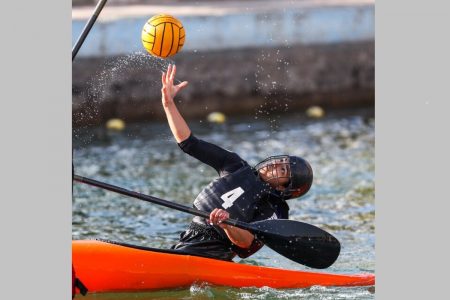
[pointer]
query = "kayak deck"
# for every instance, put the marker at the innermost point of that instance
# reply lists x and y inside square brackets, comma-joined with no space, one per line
[110,267]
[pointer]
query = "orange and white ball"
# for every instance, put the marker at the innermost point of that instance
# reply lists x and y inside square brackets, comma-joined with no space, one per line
[163,36]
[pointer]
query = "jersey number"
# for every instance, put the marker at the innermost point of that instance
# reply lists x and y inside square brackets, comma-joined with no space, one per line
[231,196]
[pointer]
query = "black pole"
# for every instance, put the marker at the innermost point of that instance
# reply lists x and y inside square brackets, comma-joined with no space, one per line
[80,42]
[87,28]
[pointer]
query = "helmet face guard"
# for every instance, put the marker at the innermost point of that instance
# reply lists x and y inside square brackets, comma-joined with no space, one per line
[291,175]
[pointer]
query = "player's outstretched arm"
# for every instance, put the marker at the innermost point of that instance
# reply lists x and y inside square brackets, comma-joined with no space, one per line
[177,124]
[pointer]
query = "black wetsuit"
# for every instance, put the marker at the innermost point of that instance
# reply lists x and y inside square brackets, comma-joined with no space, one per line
[239,191]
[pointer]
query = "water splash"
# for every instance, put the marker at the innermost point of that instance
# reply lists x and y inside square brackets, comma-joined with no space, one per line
[106,83]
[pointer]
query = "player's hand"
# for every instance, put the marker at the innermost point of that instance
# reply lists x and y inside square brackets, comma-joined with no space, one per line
[169,90]
[217,216]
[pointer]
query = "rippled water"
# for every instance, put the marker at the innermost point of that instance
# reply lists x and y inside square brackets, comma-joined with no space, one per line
[145,158]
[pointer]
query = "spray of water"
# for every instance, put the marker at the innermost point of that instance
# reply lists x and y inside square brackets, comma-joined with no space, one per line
[107,85]
[270,85]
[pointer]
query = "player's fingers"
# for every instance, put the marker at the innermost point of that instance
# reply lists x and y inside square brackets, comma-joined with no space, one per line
[174,70]
[169,70]
[212,216]
[223,215]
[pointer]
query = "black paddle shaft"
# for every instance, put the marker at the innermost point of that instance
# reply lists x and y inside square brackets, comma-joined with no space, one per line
[298,241]
[144,197]
[159,201]
[87,28]
[156,200]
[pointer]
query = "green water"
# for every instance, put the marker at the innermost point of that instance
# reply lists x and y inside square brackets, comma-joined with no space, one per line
[145,158]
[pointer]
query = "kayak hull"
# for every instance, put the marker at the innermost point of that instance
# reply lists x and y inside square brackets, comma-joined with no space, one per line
[110,267]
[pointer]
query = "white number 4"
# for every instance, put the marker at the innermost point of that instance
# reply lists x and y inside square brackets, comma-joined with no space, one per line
[231,196]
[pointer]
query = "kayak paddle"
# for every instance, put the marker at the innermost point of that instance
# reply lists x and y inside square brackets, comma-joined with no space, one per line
[298,241]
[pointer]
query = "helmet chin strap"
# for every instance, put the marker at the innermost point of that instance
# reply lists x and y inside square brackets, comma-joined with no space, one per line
[279,194]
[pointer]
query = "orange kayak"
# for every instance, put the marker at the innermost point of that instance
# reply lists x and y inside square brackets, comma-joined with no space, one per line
[111,267]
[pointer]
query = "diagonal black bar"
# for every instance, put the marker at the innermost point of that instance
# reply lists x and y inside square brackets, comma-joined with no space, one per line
[298,241]
[87,28]
[140,196]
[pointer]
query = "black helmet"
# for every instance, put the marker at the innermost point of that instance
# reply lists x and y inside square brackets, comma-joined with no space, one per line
[300,174]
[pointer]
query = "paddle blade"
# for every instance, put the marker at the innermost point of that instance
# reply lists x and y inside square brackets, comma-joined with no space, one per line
[298,241]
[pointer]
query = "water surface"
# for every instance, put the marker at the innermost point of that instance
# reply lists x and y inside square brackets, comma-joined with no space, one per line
[145,158]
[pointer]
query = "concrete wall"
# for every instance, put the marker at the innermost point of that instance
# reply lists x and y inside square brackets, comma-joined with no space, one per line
[237,57]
